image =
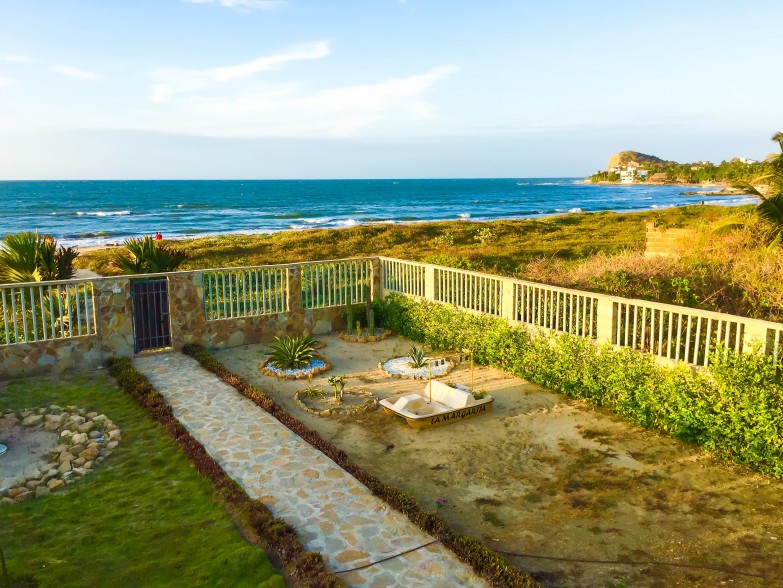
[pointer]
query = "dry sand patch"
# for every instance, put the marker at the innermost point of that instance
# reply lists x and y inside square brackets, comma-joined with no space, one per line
[546,475]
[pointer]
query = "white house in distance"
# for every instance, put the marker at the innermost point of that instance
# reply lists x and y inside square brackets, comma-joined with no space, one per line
[630,173]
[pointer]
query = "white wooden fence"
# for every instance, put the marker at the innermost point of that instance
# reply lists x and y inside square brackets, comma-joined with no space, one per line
[664,330]
[47,311]
[237,293]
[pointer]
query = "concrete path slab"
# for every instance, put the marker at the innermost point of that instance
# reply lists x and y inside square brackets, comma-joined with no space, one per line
[365,541]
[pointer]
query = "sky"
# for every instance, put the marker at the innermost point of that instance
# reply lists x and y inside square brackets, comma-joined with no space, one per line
[272,89]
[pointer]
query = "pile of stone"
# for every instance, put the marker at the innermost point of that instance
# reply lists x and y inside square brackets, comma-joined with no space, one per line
[86,439]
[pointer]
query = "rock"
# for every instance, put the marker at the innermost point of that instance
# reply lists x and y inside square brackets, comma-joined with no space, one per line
[51,474]
[92,415]
[86,427]
[64,467]
[76,449]
[54,409]
[32,420]
[111,444]
[66,433]
[88,465]
[20,494]
[99,460]
[42,491]
[88,454]
[79,439]
[115,435]
[41,411]
[60,449]
[6,501]
[78,462]
[33,484]
[55,484]
[26,413]
[95,435]
[7,421]
[79,472]
[32,475]
[101,418]
[66,456]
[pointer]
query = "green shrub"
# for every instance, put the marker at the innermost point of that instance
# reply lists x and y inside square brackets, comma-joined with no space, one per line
[292,352]
[734,408]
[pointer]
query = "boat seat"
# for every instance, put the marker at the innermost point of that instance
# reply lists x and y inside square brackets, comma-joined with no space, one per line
[414,404]
[449,396]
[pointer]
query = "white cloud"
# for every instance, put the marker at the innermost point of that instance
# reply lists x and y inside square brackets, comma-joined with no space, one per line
[6,81]
[73,72]
[243,5]
[285,111]
[16,59]
[189,80]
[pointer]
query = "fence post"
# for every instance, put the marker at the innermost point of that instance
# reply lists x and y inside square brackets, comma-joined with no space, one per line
[294,294]
[605,319]
[376,283]
[508,310]
[754,331]
[429,282]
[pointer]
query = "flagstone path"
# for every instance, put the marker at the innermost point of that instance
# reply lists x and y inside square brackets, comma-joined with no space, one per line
[363,539]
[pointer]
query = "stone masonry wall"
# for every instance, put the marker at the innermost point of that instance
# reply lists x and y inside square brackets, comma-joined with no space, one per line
[665,242]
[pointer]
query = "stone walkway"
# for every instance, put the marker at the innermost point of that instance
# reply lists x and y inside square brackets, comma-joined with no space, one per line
[363,540]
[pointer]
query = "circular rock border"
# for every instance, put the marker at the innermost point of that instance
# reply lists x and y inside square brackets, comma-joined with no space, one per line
[410,373]
[298,374]
[86,439]
[380,335]
[369,406]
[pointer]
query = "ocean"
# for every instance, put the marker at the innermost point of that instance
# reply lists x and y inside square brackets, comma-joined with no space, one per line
[87,213]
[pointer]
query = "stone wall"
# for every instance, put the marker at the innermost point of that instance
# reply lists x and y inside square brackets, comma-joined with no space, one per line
[665,242]
[114,335]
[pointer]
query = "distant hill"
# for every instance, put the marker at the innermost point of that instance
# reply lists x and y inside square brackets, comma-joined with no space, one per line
[625,157]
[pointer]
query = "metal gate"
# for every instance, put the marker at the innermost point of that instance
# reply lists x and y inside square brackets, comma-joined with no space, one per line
[151,326]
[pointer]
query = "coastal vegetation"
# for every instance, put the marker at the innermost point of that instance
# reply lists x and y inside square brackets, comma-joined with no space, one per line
[735,272]
[145,255]
[30,257]
[145,516]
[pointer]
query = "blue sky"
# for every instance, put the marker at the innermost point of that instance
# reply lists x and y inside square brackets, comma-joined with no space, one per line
[379,88]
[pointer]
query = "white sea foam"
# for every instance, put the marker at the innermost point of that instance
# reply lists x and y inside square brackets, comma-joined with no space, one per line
[105,213]
[574,210]
[464,215]
[346,223]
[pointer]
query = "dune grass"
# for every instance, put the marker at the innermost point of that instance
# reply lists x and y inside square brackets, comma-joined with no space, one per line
[145,517]
[500,246]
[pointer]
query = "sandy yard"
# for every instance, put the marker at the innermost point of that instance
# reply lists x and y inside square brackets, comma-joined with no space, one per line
[547,476]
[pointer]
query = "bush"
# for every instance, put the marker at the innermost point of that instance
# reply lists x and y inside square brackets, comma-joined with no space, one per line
[734,408]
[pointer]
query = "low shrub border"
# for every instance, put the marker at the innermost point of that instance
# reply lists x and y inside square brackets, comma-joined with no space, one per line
[733,408]
[277,537]
[485,562]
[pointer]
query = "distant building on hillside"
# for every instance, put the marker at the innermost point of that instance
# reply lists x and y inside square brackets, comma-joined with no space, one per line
[658,177]
[747,160]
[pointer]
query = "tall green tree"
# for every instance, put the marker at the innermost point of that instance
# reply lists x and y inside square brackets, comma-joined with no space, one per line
[147,256]
[30,257]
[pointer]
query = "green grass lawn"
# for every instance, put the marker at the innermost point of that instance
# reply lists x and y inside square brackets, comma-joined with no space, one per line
[145,517]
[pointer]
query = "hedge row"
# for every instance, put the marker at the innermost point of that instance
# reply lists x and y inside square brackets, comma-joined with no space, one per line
[485,562]
[303,567]
[734,408]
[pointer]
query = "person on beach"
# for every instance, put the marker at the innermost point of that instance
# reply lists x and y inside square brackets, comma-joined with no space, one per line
[158,236]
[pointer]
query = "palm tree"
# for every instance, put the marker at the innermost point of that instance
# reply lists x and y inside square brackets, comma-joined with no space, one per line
[148,256]
[30,257]
[769,188]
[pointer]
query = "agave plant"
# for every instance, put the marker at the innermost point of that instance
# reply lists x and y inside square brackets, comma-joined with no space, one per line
[418,358]
[291,352]
[30,257]
[147,256]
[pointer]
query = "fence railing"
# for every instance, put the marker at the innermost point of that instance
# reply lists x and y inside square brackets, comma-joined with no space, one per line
[47,311]
[557,309]
[664,330]
[335,283]
[244,292]
[403,277]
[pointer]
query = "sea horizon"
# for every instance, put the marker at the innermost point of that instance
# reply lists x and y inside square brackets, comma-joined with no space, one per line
[102,212]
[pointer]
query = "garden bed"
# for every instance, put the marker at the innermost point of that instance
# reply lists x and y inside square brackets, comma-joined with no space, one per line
[312,369]
[378,335]
[317,401]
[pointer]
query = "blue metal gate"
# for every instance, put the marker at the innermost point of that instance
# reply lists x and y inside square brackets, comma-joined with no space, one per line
[151,327]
